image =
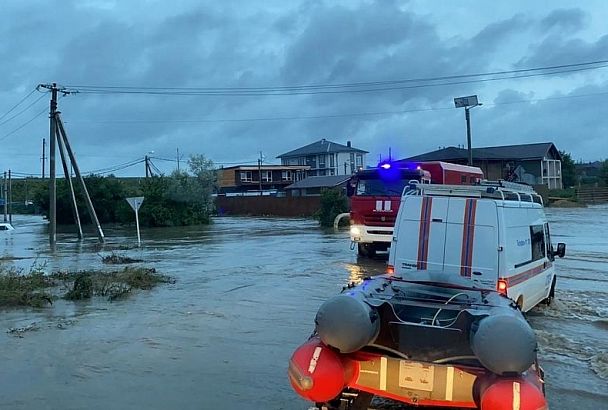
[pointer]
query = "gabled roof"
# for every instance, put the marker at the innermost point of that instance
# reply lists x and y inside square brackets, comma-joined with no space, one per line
[320,147]
[329,181]
[504,152]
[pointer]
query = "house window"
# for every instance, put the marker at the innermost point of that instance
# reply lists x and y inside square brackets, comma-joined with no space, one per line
[352,163]
[286,176]
[266,176]
[311,161]
[332,162]
[246,176]
[321,161]
[359,160]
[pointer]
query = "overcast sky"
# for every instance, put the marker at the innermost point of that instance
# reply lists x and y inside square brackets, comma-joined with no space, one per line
[282,43]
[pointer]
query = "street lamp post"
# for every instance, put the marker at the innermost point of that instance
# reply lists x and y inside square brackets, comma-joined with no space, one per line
[468,103]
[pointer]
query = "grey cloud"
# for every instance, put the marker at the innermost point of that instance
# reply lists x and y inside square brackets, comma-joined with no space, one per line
[564,19]
[557,49]
[236,44]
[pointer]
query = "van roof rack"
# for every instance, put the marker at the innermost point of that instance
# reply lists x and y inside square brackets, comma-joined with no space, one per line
[504,190]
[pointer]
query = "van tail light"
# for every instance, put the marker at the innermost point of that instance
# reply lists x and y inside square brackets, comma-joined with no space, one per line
[390,269]
[502,287]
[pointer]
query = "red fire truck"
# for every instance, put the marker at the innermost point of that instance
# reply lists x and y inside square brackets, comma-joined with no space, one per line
[375,195]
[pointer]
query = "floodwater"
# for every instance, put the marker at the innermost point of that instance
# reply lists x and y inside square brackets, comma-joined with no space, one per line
[246,294]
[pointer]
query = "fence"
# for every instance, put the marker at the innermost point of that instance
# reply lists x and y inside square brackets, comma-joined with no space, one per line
[592,195]
[267,205]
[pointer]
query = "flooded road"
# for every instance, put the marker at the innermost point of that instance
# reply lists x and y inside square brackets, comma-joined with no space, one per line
[246,294]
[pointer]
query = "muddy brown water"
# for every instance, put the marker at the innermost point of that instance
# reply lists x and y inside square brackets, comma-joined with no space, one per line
[246,294]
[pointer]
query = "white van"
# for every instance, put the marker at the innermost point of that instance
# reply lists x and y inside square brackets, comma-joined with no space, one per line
[495,234]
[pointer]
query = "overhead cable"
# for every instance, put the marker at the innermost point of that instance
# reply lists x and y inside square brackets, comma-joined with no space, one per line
[18,104]
[359,87]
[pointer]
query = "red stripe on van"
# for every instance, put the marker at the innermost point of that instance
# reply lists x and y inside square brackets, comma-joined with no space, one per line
[468,237]
[527,274]
[423,234]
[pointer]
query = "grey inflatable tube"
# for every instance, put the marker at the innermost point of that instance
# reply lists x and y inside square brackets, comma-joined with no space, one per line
[347,323]
[504,344]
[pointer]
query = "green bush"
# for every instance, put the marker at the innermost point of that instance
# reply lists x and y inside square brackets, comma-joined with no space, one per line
[333,203]
[182,198]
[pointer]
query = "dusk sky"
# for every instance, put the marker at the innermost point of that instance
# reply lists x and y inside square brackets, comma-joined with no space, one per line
[240,46]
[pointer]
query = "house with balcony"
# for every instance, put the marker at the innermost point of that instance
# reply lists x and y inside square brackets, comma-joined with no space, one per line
[242,179]
[326,158]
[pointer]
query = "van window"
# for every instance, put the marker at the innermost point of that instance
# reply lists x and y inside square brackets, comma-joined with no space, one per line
[548,243]
[537,239]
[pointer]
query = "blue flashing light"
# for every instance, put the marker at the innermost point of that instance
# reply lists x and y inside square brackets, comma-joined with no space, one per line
[386,165]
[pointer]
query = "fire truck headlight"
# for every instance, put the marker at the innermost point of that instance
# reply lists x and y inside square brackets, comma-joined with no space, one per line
[355,231]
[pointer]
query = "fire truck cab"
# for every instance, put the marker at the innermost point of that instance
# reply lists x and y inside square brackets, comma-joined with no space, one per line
[375,195]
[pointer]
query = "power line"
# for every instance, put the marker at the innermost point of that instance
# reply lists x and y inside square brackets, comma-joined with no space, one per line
[358,114]
[23,110]
[117,167]
[23,125]
[296,89]
[18,104]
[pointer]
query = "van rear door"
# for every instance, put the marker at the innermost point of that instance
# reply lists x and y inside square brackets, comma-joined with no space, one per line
[419,242]
[471,249]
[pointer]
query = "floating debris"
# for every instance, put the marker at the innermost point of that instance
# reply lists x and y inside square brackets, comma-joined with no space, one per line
[118,259]
[19,331]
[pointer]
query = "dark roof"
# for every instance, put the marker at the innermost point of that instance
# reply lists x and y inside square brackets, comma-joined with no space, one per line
[320,182]
[505,152]
[320,147]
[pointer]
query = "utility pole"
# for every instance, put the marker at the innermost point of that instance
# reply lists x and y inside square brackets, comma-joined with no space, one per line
[5,197]
[10,198]
[260,172]
[58,136]
[467,116]
[147,164]
[52,182]
[468,103]
[68,180]
[178,159]
[87,198]
[43,158]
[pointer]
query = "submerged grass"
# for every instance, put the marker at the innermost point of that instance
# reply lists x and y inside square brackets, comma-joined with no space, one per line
[36,289]
[18,289]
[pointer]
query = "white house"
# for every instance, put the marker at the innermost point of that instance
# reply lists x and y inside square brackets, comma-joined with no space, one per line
[326,158]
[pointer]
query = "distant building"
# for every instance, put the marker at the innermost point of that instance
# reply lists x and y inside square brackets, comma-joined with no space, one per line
[326,158]
[589,173]
[312,186]
[246,178]
[534,164]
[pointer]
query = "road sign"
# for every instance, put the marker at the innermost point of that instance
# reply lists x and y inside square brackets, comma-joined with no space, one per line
[135,203]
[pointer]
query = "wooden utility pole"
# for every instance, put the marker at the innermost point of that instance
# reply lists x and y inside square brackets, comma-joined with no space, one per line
[52,182]
[4,197]
[177,159]
[58,136]
[68,180]
[62,134]
[10,198]
[260,172]
[148,170]
[43,158]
